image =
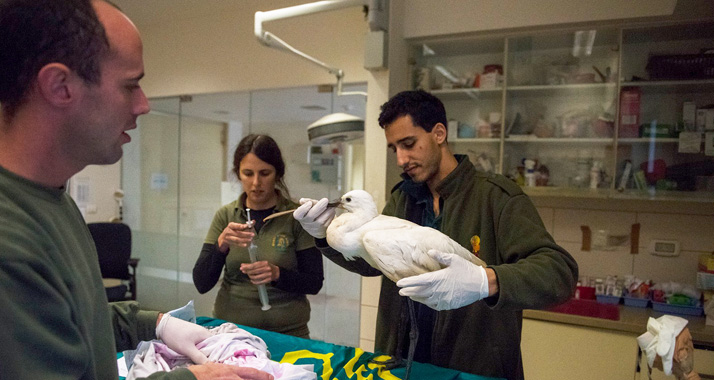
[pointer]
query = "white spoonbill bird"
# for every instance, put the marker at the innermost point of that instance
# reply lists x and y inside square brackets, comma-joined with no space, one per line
[396,247]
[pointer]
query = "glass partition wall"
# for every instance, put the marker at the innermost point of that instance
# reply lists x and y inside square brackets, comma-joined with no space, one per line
[177,171]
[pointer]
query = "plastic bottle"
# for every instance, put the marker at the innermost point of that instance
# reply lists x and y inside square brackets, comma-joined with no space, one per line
[595,174]
[530,172]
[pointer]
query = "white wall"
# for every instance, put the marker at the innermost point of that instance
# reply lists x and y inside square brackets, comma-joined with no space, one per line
[102,180]
[423,19]
[216,51]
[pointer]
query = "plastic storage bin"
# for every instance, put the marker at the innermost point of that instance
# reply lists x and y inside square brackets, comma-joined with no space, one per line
[636,302]
[676,309]
[613,300]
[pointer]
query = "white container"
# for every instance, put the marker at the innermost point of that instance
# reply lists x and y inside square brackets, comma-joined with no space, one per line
[689,115]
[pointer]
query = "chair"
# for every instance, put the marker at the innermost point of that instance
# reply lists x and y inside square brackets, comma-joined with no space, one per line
[113,242]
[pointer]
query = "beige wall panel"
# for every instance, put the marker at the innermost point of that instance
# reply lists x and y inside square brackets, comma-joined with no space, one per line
[694,232]
[662,269]
[370,290]
[600,263]
[368,322]
[567,222]
[559,351]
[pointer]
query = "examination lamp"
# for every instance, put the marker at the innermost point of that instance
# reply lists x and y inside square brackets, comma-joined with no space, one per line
[337,127]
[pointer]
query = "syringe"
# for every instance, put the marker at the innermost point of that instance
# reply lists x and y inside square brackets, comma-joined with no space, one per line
[253,254]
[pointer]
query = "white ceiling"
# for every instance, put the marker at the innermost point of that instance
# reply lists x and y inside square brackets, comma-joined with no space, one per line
[265,106]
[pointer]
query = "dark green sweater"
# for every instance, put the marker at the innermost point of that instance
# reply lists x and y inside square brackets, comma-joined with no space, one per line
[55,320]
[533,272]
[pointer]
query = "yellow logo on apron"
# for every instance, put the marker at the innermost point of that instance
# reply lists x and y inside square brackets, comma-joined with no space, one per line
[475,244]
[281,242]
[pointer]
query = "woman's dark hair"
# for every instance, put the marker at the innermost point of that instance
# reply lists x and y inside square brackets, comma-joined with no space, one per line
[34,33]
[265,148]
[426,110]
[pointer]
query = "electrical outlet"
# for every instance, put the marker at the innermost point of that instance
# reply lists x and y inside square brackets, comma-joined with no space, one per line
[668,248]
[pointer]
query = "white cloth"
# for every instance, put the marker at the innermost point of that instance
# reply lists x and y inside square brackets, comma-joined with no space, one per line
[660,339]
[228,344]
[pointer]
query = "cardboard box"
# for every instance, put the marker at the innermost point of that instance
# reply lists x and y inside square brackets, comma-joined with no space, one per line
[630,112]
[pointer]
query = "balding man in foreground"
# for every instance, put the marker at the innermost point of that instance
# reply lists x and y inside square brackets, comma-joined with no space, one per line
[69,91]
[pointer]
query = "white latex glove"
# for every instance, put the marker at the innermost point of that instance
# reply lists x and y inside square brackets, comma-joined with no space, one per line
[314,216]
[660,340]
[182,337]
[458,284]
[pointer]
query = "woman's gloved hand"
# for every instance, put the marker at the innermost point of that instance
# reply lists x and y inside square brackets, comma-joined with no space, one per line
[458,284]
[182,337]
[314,216]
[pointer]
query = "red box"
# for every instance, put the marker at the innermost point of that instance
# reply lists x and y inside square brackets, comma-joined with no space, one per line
[585,293]
[630,112]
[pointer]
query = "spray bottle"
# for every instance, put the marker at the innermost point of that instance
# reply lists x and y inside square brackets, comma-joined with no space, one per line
[253,253]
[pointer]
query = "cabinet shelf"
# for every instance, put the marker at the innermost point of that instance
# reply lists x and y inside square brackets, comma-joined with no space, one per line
[476,140]
[664,195]
[647,140]
[655,195]
[559,140]
[678,86]
[544,89]
[565,192]
[466,93]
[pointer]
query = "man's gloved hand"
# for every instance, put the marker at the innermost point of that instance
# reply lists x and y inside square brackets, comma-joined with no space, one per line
[182,337]
[459,284]
[314,216]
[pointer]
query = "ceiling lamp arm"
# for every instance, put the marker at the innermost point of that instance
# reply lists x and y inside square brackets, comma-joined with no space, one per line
[271,40]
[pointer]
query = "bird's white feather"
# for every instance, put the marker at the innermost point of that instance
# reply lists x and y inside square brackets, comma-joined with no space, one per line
[397,247]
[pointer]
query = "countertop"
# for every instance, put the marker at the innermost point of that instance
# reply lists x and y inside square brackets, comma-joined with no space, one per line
[632,320]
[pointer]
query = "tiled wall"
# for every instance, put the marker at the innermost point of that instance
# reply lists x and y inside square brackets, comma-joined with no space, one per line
[690,223]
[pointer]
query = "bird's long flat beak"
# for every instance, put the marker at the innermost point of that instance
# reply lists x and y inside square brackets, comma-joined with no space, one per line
[336,203]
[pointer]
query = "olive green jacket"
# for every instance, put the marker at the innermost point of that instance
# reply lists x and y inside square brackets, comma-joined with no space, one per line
[533,272]
[56,322]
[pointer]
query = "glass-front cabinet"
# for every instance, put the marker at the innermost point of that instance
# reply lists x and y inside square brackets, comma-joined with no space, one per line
[615,112]
[667,110]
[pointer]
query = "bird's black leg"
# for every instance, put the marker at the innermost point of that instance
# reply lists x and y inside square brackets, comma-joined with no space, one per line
[397,360]
[413,338]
